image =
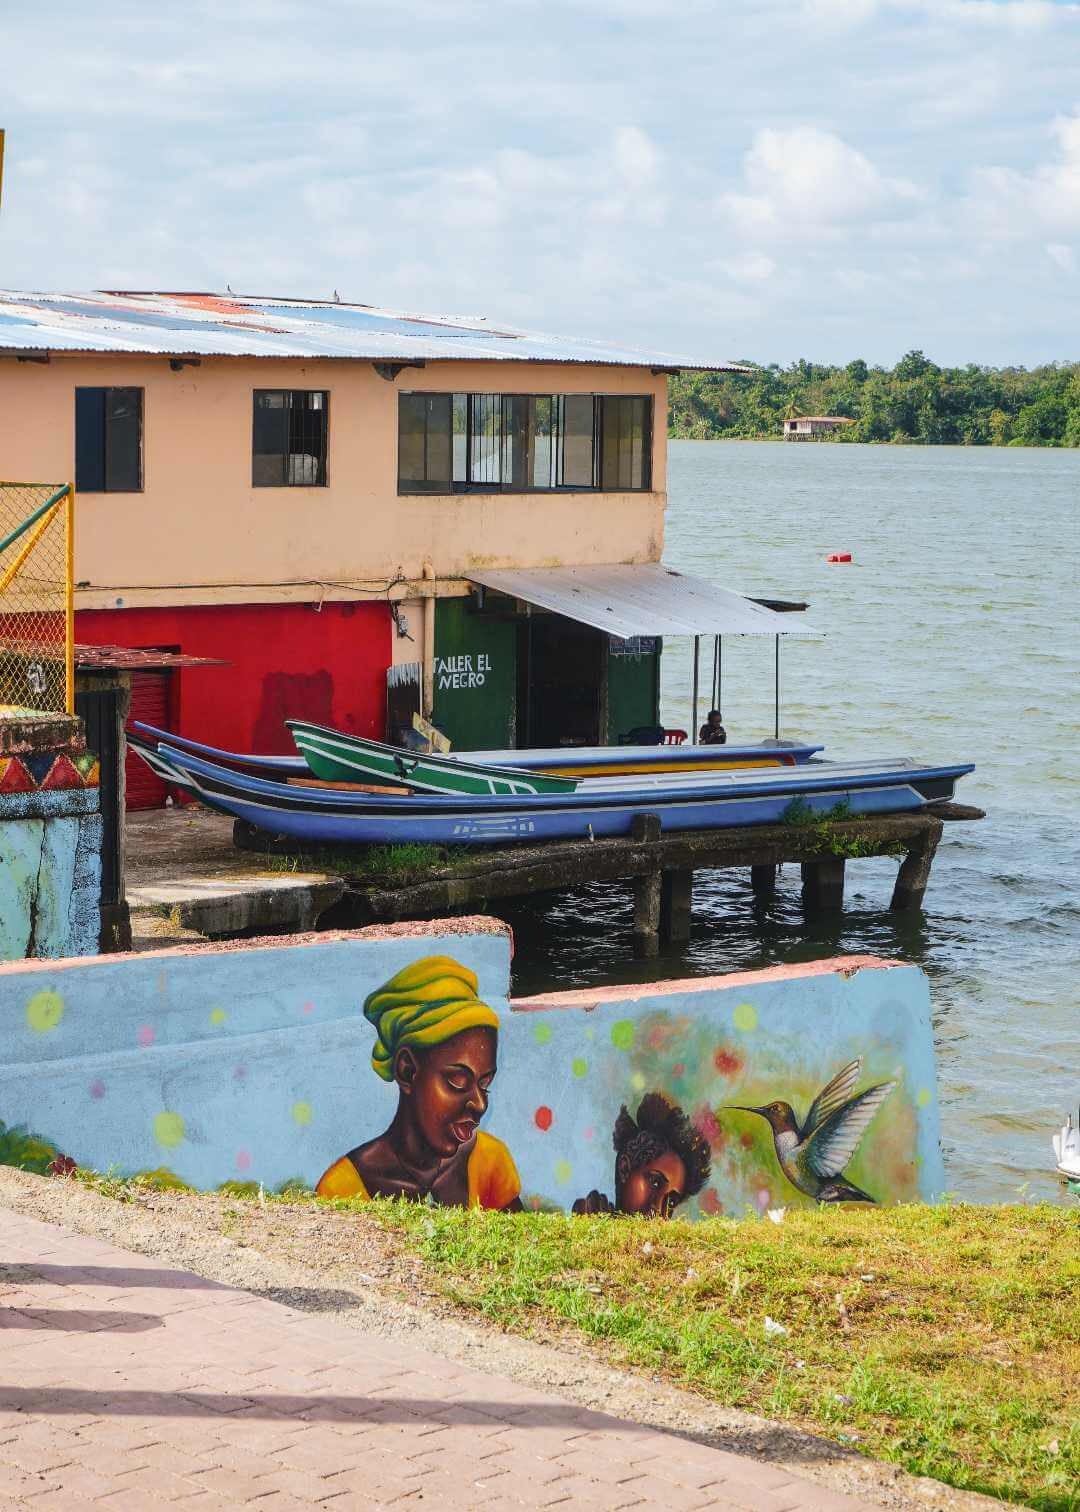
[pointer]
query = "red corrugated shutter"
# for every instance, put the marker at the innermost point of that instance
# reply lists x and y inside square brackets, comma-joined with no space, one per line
[149,702]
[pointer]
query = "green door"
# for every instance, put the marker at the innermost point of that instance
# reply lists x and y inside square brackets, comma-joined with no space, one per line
[633,684]
[475,676]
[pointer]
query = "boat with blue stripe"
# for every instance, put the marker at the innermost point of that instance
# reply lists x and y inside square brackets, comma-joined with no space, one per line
[692,801]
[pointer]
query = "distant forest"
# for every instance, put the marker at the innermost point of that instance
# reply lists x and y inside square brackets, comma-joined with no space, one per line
[915,402]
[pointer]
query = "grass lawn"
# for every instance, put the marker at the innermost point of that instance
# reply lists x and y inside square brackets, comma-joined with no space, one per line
[945,1339]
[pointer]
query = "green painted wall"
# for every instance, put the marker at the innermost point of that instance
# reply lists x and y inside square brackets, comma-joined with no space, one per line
[475,676]
[633,687]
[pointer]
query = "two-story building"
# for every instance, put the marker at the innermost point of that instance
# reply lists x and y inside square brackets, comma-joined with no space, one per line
[341,502]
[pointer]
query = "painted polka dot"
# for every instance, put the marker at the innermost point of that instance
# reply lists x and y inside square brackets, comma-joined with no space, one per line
[308,1008]
[542,1118]
[243,1160]
[579,1066]
[239,1073]
[745,1017]
[590,1034]
[678,1069]
[563,1171]
[145,1035]
[44,1011]
[169,1130]
[301,1113]
[218,1016]
[763,1197]
[637,1081]
[542,1034]
[622,1034]
[589,1133]
[925,1097]
[97,1089]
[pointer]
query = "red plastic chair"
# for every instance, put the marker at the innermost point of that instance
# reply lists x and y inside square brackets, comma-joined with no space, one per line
[674,737]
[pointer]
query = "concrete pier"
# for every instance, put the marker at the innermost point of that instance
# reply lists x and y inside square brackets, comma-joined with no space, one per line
[661,867]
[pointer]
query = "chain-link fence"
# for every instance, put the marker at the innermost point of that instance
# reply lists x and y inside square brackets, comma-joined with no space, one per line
[36,583]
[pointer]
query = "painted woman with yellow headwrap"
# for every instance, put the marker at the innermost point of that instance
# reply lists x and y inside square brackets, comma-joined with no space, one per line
[438,1042]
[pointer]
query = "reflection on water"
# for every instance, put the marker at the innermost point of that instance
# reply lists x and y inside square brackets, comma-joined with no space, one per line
[946,640]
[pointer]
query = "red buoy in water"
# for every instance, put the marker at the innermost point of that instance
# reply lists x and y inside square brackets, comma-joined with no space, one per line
[838,556]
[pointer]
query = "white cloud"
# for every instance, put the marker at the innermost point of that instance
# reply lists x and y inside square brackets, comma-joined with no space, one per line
[1011,205]
[1064,256]
[750,267]
[804,178]
[678,176]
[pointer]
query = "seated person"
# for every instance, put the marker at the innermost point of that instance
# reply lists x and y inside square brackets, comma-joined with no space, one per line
[712,731]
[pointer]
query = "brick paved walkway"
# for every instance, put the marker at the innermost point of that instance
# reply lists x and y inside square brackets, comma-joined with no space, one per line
[129,1386]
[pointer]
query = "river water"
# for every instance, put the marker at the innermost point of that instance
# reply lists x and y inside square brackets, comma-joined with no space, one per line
[951,636]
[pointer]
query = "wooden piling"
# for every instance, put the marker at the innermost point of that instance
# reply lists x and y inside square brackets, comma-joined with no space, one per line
[763,880]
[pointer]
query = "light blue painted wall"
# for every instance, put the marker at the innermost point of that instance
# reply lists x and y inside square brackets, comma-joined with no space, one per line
[50,875]
[262,1055]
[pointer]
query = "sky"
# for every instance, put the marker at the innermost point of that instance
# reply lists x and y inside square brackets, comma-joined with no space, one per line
[775,179]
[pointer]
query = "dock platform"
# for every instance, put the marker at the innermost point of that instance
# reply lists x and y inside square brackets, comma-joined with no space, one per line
[185,880]
[660,865]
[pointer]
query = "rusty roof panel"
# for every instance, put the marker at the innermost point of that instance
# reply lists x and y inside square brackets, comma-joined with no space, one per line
[136,659]
[229,325]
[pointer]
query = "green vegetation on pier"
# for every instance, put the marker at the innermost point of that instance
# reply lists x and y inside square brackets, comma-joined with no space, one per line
[915,401]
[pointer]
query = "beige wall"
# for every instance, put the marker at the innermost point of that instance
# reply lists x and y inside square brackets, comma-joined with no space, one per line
[200,533]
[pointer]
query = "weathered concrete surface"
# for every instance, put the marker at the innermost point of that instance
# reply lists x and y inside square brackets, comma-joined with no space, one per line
[30,730]
[182,867]
[50,874]
[512,871]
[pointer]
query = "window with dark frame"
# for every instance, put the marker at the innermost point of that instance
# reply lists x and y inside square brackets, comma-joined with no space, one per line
[523,443]
[288,438]
[108,440]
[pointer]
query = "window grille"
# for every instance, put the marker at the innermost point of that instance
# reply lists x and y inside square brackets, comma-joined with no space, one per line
[289,434]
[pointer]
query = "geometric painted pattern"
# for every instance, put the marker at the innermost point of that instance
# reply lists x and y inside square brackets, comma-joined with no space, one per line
[47,771]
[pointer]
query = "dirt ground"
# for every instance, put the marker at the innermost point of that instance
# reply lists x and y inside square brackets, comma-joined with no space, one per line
[335,1263]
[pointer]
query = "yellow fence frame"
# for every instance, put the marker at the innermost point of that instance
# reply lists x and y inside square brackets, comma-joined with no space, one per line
[61,499]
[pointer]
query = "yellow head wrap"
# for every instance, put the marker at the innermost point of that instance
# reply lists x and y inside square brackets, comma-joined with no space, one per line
[423,1005]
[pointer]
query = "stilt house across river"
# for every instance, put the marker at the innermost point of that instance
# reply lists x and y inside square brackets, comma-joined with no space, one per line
[353,509]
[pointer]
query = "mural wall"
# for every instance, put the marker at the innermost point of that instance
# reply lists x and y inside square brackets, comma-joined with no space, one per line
[50,844]
[390,1061]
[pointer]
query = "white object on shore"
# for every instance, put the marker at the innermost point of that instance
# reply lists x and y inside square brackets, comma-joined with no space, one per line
[1067,1150]
[773,1329]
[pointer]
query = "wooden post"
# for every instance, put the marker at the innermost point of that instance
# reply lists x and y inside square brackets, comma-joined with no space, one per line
[914,871]
[647,914]
[763,880]
[823,885]
[676,898]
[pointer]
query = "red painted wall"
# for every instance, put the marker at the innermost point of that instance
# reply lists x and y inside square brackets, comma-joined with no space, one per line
[285,661]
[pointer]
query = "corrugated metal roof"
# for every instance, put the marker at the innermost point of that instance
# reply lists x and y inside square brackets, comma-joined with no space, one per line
[648,599]
[232,325]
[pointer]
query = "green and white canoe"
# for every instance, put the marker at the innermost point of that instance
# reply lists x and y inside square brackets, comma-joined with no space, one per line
[334,756]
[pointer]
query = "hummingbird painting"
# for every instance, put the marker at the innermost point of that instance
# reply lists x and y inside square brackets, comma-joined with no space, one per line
[812,1155]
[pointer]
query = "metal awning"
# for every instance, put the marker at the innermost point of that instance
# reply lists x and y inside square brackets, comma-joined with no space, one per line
[646,599]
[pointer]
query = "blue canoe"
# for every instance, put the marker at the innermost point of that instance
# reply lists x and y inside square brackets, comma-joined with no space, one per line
[725,800]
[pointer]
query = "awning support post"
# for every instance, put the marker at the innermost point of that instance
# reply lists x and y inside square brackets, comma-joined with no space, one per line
[776,721]
[697,660]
